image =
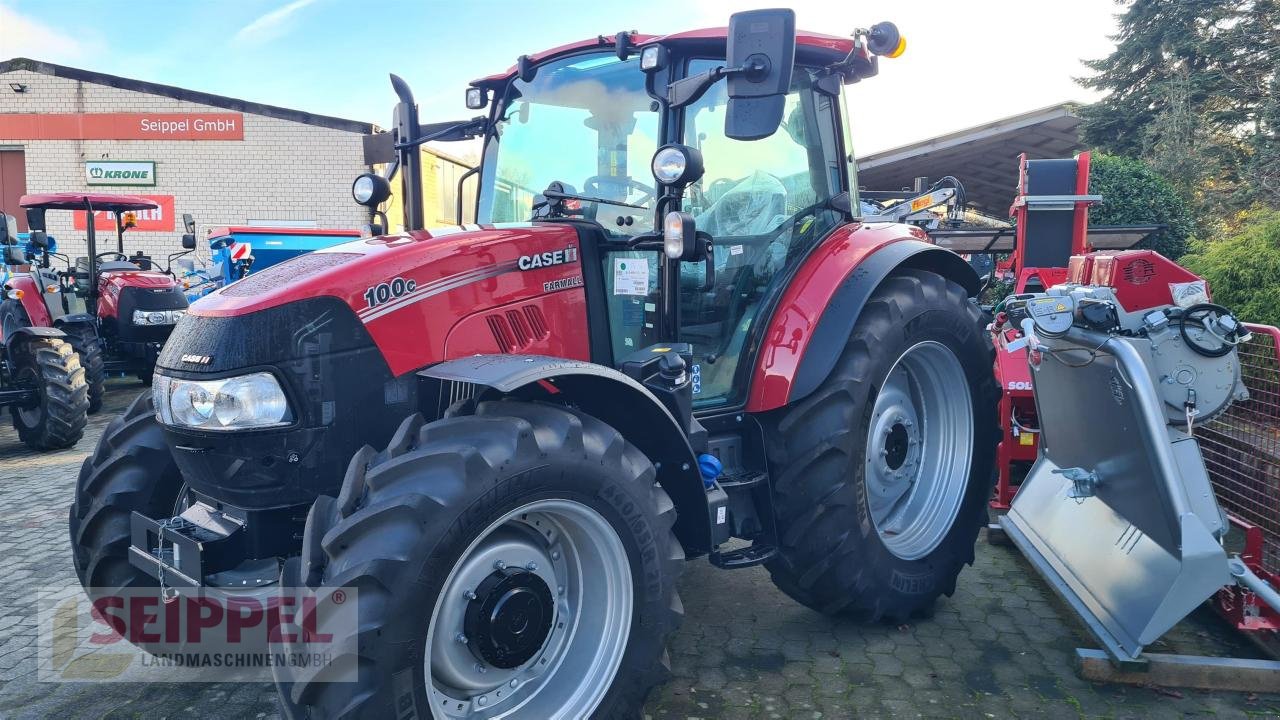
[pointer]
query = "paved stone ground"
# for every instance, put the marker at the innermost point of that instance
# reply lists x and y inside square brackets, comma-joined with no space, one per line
[1000,648]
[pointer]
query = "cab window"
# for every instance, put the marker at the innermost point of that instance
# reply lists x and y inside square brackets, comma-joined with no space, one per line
[764,202]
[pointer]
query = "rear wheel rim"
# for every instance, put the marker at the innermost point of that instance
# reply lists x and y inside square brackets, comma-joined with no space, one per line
[919,450]
[564,569]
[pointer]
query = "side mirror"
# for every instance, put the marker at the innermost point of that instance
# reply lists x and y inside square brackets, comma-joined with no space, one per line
[8,229]
[13,255]
[189,223]
[189,241]
[39,239]
[35,219]
[762,52]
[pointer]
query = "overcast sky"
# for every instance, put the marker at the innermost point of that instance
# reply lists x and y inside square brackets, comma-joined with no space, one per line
[967,62]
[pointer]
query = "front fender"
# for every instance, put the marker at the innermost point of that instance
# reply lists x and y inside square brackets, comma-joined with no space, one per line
[32,301]
[614,398]
[816,314]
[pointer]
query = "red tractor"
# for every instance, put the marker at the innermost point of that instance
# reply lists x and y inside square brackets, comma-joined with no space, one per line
[41,381]
[115,309]
[670,329]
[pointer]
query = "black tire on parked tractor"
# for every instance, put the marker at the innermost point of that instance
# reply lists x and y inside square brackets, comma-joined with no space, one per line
[131,469]
[84,340]
[57,419]
[883,474]
[588,562]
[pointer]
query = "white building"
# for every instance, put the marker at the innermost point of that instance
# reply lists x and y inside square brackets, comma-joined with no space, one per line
[225,161]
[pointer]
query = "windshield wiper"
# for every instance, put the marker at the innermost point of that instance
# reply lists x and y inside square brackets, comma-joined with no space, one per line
[559,195]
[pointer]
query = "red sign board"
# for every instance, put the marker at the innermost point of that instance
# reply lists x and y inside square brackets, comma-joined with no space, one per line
[155,220]
[122,126]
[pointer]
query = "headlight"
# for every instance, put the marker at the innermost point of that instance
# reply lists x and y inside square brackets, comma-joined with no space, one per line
[244,402]
[157,317]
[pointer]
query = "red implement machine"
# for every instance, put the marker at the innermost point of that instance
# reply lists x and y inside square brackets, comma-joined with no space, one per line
[116,310]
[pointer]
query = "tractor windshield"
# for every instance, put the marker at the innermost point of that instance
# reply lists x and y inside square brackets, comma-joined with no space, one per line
[584,121]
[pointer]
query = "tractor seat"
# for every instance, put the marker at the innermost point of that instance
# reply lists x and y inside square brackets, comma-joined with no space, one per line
[117,265]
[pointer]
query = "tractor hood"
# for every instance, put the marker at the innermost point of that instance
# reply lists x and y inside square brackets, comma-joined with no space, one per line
[409,291]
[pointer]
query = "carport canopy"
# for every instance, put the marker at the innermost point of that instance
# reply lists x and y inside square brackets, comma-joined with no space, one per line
[983,158]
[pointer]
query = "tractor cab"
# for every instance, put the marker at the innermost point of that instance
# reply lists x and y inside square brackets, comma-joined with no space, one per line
[700,176]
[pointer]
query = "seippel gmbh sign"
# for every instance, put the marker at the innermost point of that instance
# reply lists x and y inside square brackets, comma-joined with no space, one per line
[120,172]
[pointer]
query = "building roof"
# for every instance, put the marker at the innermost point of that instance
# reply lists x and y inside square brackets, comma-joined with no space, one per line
[984,158]
[177,93]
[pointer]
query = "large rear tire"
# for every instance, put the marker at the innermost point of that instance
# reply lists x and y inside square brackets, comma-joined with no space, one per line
[884,472]
[84,340]
[57,419]
[130,470]
[584,535]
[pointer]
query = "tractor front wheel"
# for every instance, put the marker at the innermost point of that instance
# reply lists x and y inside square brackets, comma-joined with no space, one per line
[884,472]
[518,562]
[131,470]
[84,340]
[57,416]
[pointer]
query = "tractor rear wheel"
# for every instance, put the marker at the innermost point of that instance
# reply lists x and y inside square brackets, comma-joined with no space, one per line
[57,417]
[886,469]
[521,557]
[84,340]
[131,469]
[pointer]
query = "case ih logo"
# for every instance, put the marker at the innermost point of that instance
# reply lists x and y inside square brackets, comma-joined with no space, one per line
[547,259]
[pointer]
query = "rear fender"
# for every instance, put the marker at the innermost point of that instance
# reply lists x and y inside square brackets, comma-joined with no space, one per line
[815,317]
[603,393]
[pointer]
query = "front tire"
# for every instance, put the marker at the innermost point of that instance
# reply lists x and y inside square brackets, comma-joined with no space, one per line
[57,419]
[130,470]
[584,535]
[84,340]
[884,472]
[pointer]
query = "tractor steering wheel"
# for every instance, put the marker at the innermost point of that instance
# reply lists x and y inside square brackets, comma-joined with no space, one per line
[117,255]
[591,186]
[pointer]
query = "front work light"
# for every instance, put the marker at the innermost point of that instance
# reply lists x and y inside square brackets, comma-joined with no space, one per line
[370,189]
[476,98]
[678,165]
[653,58]
[244,402]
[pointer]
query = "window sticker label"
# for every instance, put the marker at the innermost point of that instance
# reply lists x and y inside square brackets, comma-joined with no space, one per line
[630,276]
[696,373]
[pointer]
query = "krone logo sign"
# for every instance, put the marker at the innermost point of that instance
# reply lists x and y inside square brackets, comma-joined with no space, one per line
[120,172]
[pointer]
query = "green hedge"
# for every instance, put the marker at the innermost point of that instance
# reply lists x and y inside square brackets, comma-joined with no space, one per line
[1134,194]
[1243,267]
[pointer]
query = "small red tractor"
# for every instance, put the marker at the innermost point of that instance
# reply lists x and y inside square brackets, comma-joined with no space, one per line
[116,311]
[670,329]
[41,381]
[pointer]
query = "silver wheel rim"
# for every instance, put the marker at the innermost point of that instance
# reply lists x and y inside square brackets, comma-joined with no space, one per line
[919,450]
[581,559]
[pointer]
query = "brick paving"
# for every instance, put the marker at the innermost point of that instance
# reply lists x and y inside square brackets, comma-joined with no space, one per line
[1000,648]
